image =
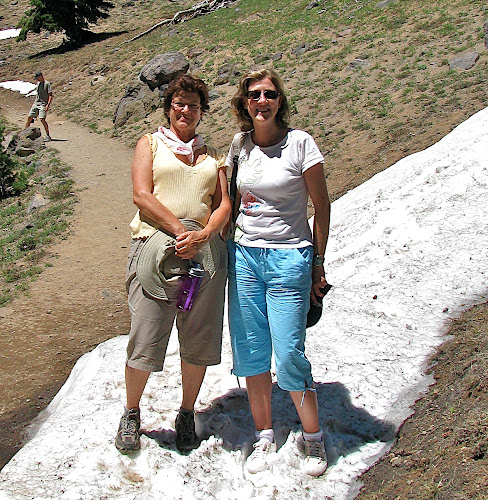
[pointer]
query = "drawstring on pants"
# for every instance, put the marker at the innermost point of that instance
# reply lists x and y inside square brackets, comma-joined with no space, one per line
[305,391]
[238,383]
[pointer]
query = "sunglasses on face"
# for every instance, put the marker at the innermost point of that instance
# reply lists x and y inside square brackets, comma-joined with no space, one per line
[255,95]
[180,106]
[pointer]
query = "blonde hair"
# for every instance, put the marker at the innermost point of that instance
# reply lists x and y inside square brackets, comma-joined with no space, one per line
[240,98]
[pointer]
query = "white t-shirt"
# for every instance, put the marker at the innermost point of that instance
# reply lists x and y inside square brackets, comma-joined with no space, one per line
[273,209]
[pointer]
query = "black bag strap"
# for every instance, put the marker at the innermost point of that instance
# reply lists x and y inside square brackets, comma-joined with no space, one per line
[237,142]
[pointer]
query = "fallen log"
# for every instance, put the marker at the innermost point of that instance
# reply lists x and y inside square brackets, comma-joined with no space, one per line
[200,9]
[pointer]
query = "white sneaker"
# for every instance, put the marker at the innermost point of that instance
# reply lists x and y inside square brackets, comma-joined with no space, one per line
[257,461]
[315,462]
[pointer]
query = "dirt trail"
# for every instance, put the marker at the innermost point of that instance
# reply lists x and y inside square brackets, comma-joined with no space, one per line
[79,301]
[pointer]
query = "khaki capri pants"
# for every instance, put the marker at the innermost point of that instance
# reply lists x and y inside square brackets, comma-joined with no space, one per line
[199,330]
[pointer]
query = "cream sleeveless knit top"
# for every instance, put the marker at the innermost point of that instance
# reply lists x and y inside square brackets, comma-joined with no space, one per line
[185,190]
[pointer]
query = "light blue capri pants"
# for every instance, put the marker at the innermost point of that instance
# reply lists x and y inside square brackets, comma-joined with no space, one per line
[269,298]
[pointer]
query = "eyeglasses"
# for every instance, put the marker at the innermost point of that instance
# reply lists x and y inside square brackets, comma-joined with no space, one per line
[255,95]
[180,106]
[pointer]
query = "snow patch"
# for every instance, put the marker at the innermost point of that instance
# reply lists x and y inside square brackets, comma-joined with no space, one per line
[407,253]
[10,33]
[26,88]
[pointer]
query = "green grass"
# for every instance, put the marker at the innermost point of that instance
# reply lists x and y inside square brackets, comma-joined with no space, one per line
[25,237]
[408,46]
[248,31]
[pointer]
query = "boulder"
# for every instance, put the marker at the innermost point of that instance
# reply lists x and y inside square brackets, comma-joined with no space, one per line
[226,73]
[385,3]
[262,58]
[31,133]
[9,142]
[300,49]
[37,201]
[464,61]
[24,151]
[163,68]
[358,64]
[212,95]
[312,5]
[27,142]
[96,79]
[138,102]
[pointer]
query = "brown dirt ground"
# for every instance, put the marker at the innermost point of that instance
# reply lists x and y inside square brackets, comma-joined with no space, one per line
[79,301]
[441,451]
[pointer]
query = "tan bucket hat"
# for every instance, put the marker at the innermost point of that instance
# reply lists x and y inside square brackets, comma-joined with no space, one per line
[159,269]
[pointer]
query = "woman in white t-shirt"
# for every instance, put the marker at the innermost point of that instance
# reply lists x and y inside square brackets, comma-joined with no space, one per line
[275,262]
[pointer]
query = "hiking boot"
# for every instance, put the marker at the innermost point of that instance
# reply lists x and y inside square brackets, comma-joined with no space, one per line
[257,461]
[315,461]
[186,437]
[128,438]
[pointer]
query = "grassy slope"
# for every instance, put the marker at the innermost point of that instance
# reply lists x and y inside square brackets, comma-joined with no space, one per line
[25,235]
[364,120]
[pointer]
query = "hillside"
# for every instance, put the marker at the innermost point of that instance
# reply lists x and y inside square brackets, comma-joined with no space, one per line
[372,85]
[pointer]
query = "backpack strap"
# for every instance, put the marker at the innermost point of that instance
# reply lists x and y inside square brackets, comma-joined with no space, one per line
[237,145]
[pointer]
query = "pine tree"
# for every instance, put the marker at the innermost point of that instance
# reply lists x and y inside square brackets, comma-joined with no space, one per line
[71,16]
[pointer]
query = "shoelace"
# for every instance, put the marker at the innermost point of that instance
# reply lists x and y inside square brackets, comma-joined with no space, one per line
[261,449]
[187,430]
[315,449]
[130,427]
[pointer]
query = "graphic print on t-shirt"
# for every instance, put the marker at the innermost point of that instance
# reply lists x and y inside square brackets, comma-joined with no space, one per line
[250,172]
[273,209]
[250,203]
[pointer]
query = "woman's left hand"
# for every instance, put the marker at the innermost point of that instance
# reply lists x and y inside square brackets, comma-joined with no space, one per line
[318,282]
[189,243]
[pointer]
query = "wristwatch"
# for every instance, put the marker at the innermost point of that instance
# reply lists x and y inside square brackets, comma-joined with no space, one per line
[318,260]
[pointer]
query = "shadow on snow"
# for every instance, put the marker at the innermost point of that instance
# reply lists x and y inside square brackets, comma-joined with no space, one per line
[228,417]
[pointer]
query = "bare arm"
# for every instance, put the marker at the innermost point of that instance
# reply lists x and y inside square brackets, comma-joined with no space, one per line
[188,243]
[49,101]
[142,190]
[317,189]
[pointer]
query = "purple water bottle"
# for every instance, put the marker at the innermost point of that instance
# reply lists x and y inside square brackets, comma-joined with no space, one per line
[191,284]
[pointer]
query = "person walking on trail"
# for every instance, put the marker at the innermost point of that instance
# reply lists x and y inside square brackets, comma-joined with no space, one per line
[44,97]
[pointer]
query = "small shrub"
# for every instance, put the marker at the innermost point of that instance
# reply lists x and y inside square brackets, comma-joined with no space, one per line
[8,174]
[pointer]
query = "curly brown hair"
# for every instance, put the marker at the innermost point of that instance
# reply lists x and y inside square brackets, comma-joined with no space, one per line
[240,98]
[186,83]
